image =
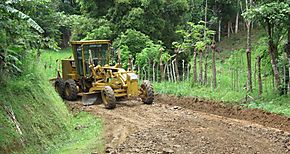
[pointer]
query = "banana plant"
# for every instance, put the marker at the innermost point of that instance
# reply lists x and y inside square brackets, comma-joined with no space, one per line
[7,6]
[10,53]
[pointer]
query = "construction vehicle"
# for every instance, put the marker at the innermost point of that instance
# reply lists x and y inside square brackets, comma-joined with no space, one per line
[88,74]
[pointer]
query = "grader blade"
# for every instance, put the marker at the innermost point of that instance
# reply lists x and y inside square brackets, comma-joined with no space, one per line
[89,98]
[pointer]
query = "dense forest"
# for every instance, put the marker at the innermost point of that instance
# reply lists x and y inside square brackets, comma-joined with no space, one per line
[165,38]
[228,50]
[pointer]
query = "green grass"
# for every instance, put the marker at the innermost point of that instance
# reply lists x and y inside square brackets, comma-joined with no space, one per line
[49,60]
[188,89]
[238,41]
[268,102]
[46,123]
[40,112]
[232,77]
[87,139]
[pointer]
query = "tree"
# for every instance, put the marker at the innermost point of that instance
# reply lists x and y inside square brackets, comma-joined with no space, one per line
[148,56]
[162,73]
[288,52]
[95,8]
[273,16]
[197,36]
[248,50]
[214,49]
[135,40]
[14,45]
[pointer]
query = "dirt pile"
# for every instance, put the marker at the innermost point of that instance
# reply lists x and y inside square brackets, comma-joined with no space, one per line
[230,111]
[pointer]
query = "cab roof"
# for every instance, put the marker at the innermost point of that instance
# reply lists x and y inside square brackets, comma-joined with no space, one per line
[91,42]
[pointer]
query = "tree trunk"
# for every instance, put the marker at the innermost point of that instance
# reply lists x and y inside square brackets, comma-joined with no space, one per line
[288,53]
[229,28]
[176,66]
[237,22]
[148,69]
[213,65]
[248,52]
[272,50]
[259,76]
[220,30]
[284,81]
[153,72]
[168,73]
[157,73]
[170,70]
[200,68]
[161,66]
[205,17]
[188,71]
[194,66]
[183,70]
[205,66]
[174,70]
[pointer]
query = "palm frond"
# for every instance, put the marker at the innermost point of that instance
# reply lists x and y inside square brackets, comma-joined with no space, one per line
[23,16]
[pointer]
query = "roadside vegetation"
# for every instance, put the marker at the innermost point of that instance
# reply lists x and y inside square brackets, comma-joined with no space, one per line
[234,51]
[34,119]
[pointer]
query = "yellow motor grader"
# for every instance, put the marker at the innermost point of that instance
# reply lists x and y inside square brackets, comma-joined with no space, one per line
[88,74]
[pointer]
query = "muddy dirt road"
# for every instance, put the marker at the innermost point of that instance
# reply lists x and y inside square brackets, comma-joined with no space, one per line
[187,125]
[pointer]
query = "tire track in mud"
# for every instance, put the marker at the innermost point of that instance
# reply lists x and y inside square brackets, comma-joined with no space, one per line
[182,125]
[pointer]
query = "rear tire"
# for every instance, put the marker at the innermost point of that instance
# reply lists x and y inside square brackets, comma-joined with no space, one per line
[59,87]
[108,97]
[147,92]
[71,90]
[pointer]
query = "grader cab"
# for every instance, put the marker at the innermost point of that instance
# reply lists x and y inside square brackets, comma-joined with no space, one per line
[89,73]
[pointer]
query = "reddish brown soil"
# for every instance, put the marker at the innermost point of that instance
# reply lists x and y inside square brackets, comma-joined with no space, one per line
[188,125]
[228,110]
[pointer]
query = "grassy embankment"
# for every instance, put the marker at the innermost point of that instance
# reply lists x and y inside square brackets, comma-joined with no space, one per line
[231,79]
[45,124]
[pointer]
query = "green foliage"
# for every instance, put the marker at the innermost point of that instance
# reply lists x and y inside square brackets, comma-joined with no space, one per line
[150,52]
[157,19]
[134,40]
[165,57]
[100,33]
[80,26]
[50,59]
[32,99]
[125,53]
[94,8]
[273,16]
[84,140]
[272,13]
[46,124]
[103,30]
[196,35]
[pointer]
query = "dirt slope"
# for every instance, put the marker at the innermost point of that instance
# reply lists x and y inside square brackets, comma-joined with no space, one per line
[173,125]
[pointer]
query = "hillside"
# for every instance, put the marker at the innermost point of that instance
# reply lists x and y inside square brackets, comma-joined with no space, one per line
[34,119]
[31,113]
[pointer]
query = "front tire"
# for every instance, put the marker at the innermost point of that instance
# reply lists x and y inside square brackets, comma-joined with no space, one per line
[71,90]
[147,92]
[59,86]
[108,97]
